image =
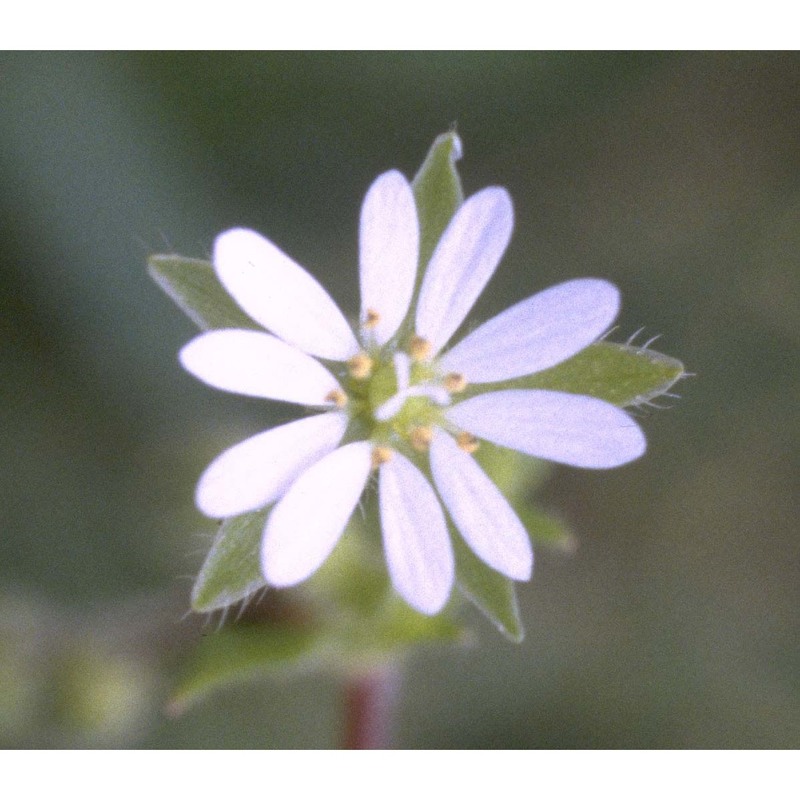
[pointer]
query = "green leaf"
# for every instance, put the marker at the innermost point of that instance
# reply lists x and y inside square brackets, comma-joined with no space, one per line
[232,569]
[618,373]
[492,593]
[195,289]
[242,653]
[437,191]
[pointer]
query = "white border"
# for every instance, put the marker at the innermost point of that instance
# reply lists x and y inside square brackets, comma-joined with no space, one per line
[407,24]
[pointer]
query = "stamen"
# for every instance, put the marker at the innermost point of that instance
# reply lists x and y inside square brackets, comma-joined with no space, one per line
[337,397]
[421,438]
[371,319]
[360,366]
[381,455]
[455,382]
[467,442]
[419,349]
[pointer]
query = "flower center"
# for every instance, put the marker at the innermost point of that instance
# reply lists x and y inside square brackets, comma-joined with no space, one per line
[401,398]
[413,394]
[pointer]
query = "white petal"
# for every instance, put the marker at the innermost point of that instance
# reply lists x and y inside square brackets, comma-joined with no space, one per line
[402,369]
[567,428]
[259,365]
[537,333]
[280,295]
[259,470]
[389,252]
[308,520]
[481,513]
[462,264]
[438,394]
[415,538]
[392,406]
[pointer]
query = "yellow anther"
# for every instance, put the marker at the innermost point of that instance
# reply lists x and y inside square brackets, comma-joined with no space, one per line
[419,349]
[455,382]
[337,397]
[371,319]
[381,455]
[421,437]
[360,366]
[467,442]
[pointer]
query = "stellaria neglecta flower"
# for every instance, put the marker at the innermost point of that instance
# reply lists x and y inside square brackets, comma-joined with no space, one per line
[395,399]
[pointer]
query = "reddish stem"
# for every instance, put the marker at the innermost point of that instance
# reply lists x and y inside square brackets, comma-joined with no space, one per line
[370,704]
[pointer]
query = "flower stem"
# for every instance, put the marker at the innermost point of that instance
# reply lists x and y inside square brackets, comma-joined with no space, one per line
[370,704]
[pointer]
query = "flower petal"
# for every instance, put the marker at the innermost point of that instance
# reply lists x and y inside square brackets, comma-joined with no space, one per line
[465,258]
[259,365]
[280,295]
[308,520]
[389,252]
[402,369]
[567,428]
[481,513]
[260,469]
[537,333]
[392,406]
[415,538]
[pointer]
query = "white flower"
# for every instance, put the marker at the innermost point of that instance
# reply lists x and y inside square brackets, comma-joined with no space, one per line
[394,387]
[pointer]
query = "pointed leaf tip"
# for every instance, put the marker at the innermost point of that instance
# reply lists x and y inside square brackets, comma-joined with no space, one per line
[232,569]
[617,373]
[491,593]
[193,286]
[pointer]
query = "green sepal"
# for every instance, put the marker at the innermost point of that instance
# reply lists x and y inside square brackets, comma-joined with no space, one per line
[354,602]
[492,593]
[386,634]
[344,617]
[546,530]
[438,192]
[515,474]
[193,286]
[231,570]
[352,581]
[399,626]
[618,373]
[241,653]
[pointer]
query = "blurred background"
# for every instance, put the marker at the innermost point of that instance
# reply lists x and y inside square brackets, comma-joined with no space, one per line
[676,176]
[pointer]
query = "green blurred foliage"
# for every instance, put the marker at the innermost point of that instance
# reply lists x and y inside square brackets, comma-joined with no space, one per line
[676,176]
